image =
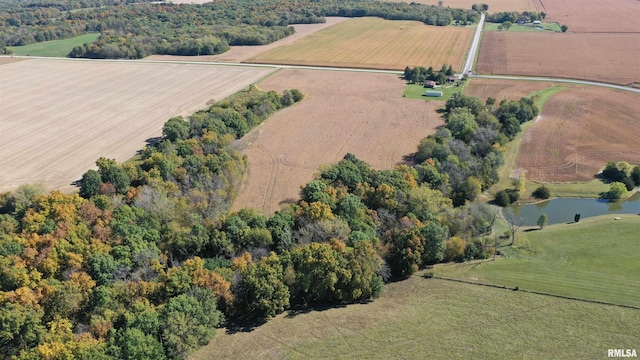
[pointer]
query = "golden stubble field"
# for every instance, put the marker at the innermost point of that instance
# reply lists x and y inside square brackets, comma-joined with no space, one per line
[241,53]
[377,44]
[359,113]
[57,117]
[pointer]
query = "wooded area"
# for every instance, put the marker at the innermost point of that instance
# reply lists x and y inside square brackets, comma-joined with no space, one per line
[132,29]
[145,262]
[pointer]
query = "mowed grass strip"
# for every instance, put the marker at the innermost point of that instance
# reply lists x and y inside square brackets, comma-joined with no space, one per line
[436,319]
[377,44]
[53,48]
[595,259]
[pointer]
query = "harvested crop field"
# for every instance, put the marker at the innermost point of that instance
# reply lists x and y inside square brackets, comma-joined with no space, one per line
[607,57]
[57,117]
[503,89]
[579,131]
[377,44]
[242,53]
[593,16]
[8,59]
[359,113]
[494,5]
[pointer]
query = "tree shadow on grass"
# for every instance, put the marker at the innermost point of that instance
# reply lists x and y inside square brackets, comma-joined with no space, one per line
[300,310]
[240,326]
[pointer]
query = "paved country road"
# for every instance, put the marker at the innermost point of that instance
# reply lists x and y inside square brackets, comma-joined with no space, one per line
[475,46]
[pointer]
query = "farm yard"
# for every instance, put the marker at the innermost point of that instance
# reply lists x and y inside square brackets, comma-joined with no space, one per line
[436,319]
[604,57]
[593,16]
[360,113]
[579,131]
[377,44]
[494,5]
[242,53]
[60,116]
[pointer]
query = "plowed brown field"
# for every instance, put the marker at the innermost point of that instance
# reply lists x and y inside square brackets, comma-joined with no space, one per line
[608,57]
[57,117]
[593,16]
[360,113]
[376,44]
[494,5]
[579,131]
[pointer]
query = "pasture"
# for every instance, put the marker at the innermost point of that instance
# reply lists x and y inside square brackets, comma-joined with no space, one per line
[54,48]
[435,319]
[604,57]
[242,53]
[581,129]
[595,259]
[343,112]
[376,44]
[593,16]
[58,117]
[494,5]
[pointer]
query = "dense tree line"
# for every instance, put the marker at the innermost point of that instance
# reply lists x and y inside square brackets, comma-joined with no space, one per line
[516,17]
[420,74]
[131,29]
[462,158]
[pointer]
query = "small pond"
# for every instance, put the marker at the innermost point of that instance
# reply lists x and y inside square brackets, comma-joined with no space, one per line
[562,210]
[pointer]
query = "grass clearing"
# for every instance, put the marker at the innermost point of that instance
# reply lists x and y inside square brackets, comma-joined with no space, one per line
[54,48]
[544,27]
[376,43]
[417,91]
[429,318]
[595,259]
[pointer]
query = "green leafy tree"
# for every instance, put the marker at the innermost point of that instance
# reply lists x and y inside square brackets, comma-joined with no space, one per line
[176,129]
[20,328]
[189,321]
[90,184]
[261,292]
[133,343]
[564,28]
[616,191]
[507,25]
[462,124]
[542,192]
[542,221]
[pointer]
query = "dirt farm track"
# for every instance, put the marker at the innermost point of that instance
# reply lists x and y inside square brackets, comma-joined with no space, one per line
[360,113]
[57,117]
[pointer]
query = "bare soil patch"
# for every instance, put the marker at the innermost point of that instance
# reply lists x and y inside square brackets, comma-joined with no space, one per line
[57,117]
[604,57]
[358,113]
[503,89]
[8,59]
[593,16]
[376,44]
[494,5]
[580,130]
[242,53]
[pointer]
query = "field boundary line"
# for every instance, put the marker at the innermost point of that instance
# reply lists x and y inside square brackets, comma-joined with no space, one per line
[558,80]
[504,287]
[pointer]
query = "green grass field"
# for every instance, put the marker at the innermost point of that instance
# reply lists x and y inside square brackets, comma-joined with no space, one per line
[595,259]
[54,48]
[417,91]
[435,319]
[546,27]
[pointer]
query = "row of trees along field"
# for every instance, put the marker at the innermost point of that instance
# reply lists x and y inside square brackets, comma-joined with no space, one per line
[145,262]
[132,29]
